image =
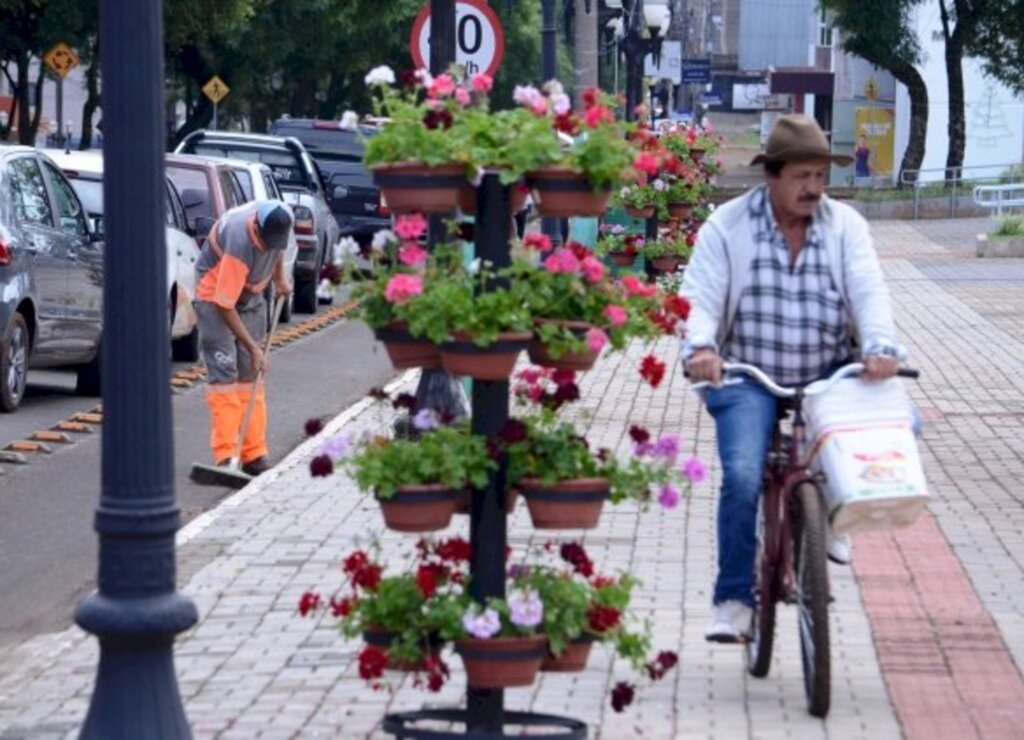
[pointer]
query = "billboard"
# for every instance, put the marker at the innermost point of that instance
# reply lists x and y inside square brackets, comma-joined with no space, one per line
[874,139]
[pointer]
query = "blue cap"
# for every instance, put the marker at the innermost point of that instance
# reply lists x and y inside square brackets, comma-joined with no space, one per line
[274,222]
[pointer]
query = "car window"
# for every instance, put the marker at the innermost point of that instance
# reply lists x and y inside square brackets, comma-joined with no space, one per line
[327,141]
[233,193]
[194,191]
[176,214]
[287,169]
[271,186]
[71,217]
[90,192]
[29,192]
[245,181]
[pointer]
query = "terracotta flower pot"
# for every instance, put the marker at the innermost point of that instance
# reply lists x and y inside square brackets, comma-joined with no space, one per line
[680,210]
[382,638]
[571,660]
[493,362]
[645,212]
[569,504]
[419,508]
[622,259]
[502,662]
[467,199]
[667,263]
[563,192]
[464,506]
[414,186]
[539,354]
[405,350]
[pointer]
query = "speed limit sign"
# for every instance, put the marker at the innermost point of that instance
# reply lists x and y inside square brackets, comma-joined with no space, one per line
[479,40]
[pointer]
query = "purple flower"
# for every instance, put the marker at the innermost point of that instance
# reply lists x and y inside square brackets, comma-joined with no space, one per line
[643,449]
[481,625]
[669,496]
[694,470]
[518,571]
[525,607]
[426,420]
[338,446]
[667,447]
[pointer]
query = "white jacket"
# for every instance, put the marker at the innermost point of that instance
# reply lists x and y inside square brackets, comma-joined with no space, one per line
[719,269]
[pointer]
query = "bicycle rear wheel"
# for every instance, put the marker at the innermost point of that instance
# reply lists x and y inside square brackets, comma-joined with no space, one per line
[762,637]
[812,596]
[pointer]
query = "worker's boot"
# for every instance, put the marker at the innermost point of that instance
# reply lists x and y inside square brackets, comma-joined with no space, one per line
[256,467]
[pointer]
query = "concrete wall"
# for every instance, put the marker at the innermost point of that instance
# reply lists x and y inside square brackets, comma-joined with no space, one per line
[776,32]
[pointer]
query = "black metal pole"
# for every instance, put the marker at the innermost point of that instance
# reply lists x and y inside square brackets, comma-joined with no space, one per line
[487,528]
[60,110]
[136,612]
[549,225]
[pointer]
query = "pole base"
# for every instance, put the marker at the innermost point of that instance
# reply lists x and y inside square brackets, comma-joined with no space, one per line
[400,725]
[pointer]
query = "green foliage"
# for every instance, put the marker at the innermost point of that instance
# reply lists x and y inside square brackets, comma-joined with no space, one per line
[1010,226]
[451,456]
[553,452]
[999,40]
[676,245]
[602,153]
[513,140]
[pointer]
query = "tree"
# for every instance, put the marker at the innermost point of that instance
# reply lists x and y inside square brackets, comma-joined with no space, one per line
[959,18]
[999,40]
[879,31]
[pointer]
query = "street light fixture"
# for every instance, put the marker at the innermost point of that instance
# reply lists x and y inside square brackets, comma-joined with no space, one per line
[643,28]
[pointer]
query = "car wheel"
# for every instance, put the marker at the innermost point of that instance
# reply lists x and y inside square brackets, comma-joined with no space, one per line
[186,348]
[88,383]
[14,349]
[304,299]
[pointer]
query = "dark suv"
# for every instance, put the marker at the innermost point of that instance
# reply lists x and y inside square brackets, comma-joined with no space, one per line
[302,185]
[338,151]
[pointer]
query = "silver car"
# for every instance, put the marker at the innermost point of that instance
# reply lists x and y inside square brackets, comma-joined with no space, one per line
[51,276]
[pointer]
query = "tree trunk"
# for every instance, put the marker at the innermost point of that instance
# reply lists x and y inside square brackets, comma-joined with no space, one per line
[26,134]
[92,101]
[585,48]
[918,91]
[38,112]
[955,84]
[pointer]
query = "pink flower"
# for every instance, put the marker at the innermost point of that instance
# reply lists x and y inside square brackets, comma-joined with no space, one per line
[597,115]
[401,288]
[694,470]
[646,163]
[482,83]
[635,286]
[412,254]
[411,226]
[593,270]
[669,496]
[443,86]
[616,315]
[462,96]
[563,260]
[539,106]
[596,339]
[540,242]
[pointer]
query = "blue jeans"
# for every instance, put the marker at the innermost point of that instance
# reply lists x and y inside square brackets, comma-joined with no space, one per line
[744,417]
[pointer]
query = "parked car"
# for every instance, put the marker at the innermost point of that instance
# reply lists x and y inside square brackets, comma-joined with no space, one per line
[302,185]
[85,172]
[355,199]
[258,183]
[207,189]
[51,276]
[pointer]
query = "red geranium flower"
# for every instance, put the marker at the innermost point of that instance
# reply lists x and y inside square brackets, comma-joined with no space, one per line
[343,607]
[427,577]
[652,370]
[453,549]
[540,242]
[638,434]
[678,306]
[602,618]
[622,695]
[372,662]
[574,554]
[321,466]
[310,601]
[313,427]
[368,577]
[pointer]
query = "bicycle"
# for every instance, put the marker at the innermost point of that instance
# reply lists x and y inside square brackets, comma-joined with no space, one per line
[791,565]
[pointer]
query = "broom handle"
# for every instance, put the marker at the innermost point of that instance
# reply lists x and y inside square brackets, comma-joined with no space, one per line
[278,305]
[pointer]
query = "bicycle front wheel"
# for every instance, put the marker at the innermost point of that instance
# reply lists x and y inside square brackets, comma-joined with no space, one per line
[762,637]
[812,595]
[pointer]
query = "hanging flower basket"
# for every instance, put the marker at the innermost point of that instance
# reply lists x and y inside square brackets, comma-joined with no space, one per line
[517,199]
[502,662]
[622,259]
[493,362]
[539,354]
[464,505]
[405,350]
[570,504]
[696,153]
[382,638]
[667,263]
[572,659]
[563,192]
[681,211]
[420,508]
[645,212]
[413,186]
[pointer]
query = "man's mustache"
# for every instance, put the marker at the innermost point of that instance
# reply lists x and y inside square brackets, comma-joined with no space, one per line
[810,199]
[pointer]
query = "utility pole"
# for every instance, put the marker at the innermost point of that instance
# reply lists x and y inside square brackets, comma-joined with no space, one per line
[549,226]
[585,36]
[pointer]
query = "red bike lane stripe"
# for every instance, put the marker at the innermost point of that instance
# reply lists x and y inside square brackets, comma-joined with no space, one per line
[946,667]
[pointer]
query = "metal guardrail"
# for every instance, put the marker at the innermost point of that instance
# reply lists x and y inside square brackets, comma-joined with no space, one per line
[955,177]
[1000,196]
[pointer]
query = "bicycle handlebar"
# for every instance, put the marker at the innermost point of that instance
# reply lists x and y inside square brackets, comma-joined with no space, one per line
[812,389]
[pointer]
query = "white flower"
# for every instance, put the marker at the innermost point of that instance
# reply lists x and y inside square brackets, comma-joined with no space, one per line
[346,248]
[474,266]
[381,239]
[382,75]
[624,193]
[349,120]
[424,77]
[554,88]
[659,184]
[560,104]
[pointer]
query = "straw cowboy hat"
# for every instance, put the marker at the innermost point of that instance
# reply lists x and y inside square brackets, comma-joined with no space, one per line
[797,138]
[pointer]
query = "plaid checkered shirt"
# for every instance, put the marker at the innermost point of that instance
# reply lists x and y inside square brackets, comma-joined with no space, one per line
[791,321]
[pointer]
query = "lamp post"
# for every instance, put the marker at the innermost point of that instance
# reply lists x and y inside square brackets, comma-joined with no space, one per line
[549,225]
[136,611]
[636,43]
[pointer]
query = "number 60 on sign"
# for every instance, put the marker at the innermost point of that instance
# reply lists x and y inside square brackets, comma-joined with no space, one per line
[479,39]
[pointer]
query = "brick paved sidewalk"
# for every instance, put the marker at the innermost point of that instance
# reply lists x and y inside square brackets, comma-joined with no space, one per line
[253,668]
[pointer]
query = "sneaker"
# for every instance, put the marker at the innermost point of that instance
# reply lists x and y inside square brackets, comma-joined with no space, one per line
[839,547]
[256,467]
[730,622]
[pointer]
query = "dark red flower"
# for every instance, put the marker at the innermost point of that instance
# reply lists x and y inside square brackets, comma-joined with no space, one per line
[666,323]
[437,672]
[589,97]
[513,431]
[563,377]
[372,662]
[668,659]
[677,306]
[602,618]
[638,434]
[494,450]
[445,416]
[407,78]
[454,549]
[622,695]
[604,454]
[566,393]
[574,554]
[405,401]
[602,581]
[355,562]
[330,272]
[652,370]
[434,119]
[343,607]
[321,466]
[368,577]
[378,394]
[313,427]
[427,577]
[578,250]
[308,602]
[568,123]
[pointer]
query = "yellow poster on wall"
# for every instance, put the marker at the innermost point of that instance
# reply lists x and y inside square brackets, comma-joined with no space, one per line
[874,130]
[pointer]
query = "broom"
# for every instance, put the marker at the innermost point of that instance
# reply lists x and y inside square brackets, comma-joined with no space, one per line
[232,475]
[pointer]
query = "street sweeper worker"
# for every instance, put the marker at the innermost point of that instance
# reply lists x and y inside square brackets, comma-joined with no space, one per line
[243,253]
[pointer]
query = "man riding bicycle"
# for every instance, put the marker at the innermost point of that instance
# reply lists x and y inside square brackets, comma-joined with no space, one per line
[786,279]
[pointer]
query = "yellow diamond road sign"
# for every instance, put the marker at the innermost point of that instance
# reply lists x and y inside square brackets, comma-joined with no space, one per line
[215,89]
[61,59]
